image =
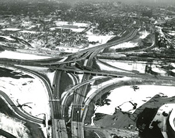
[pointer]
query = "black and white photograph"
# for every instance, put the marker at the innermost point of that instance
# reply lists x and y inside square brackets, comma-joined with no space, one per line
[87,68]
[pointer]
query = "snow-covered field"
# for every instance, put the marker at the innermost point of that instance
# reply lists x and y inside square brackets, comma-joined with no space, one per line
[66,25]
[122,65]
[122,96]
[107,68]
[10,29]
[61,23]
[17,55]
[27,90]
[13,126]
[128,66]
[101,39]
[144,34]
[125,45]
[172,33]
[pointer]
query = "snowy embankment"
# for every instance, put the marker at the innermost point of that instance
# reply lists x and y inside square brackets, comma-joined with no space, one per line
[125,45]
[122,95]
[13,126]
[17,55]
[143,34]
[98,39]
[128,66]
[172,33]
[28,94]
[27,91]
[122,66]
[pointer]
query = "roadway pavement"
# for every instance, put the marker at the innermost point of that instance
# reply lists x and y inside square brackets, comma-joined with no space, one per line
[81,55]
[55,125]
[24,115]
[112,85]
[78,115]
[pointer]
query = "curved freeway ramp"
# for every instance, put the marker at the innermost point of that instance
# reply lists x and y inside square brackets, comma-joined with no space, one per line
[25,116]
[171,124]
[6,134]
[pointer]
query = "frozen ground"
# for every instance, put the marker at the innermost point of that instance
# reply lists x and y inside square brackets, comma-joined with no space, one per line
[144,34]
[27,90]
[61,23]
[11,29]
[122,95]
[172,33]
[125,45]
[13,126]
[100,39]
[129,66]
[17,55]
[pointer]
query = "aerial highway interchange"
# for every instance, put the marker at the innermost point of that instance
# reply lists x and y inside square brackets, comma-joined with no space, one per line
[79,105]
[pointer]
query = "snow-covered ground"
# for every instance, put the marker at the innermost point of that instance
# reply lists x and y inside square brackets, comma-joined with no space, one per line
[7,37]
[159,70]
[67,25]
[95,88]
[107,68]
[13,126]
[101,39]
[125,45]
[80,77]
[27,90]
[61,23]
[139,66]
[50,75]
[122,96]
[10,29]
[144,34]
[129,66]
[17,55]
[172,33]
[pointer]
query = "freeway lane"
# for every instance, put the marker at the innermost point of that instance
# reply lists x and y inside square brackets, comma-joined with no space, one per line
[6,134]
[78,100]
[119,75]
[97,49]
[81,55]
[46,82]
[54,95]
[57,108]
[118,83]
[72,90]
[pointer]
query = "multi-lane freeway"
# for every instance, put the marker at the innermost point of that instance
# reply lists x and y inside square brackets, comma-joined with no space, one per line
[79,104]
